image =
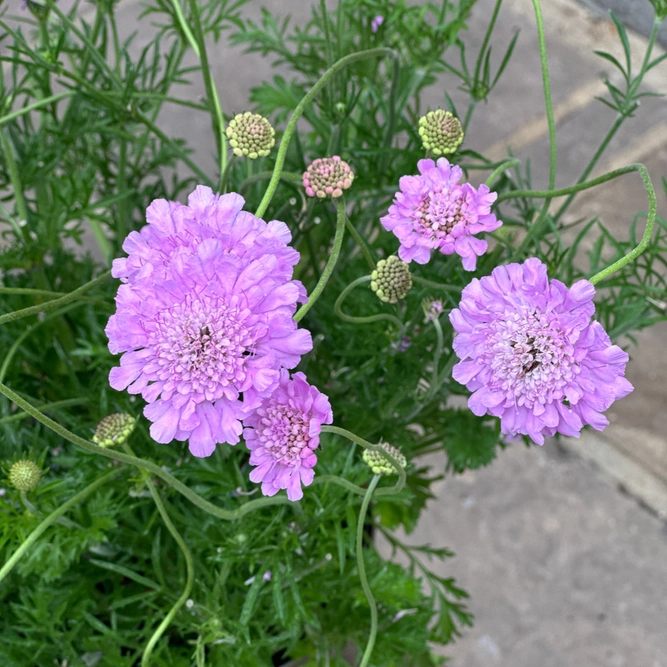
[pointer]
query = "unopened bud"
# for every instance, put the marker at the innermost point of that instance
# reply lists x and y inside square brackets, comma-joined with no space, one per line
[379,464]
[327,177]
[25,475]
[114,430]
[391,279]
[441,132]
[251,135]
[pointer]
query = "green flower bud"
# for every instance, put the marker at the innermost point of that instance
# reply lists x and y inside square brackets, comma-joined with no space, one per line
[25,475]
[251,135]
[441,132]
[391,280]
[379,464]
[114,430]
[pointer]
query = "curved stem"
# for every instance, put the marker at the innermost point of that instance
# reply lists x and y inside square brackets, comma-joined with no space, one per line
[307,99]
[650,220]
[331,262]
[511,162]
[338,307]
[142,464]
[39,308]
[400,471]
[51,519]
[362,572]
[340,481]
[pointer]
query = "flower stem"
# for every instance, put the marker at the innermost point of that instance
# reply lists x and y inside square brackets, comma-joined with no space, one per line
[650,220]
[506,164]
[362,572]
[400,471]
[307,99]
[49,305]
[189,566]
[338,307]
[538,224]
[142,464]
[331,263]
[360,242]
[51,519]
[430,283]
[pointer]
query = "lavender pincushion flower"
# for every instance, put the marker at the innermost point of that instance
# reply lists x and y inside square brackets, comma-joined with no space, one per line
[205,317]
[431,211]
[531,354]
[283,435]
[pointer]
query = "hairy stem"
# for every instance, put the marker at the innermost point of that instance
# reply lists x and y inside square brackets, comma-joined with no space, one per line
[338,307]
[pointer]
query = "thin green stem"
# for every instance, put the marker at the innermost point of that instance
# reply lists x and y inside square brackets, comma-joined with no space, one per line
[35,105]
[538,224]
[352,437]
[15,179]
[121,231]
[49,305]
[307,99]
[142,464]
[217,120]
[51,519]
[511,162]
[436,358]
[28,291]
[360,242]
[338,307]
[362,572]
[485,43]
[331,262]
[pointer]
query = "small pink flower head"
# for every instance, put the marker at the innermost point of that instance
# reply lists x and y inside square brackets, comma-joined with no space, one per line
[531,354]
[205,317]
[327,177]
[431,211]
[376,23]
[283,434]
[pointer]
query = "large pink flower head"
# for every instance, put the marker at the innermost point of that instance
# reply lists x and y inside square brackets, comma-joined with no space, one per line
[431,211]
[531,354]
[283,435]
[205,318]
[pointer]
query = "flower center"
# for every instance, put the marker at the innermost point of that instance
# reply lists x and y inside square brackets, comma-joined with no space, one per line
[201,346]
[439,212]
[530,358]
[284,433]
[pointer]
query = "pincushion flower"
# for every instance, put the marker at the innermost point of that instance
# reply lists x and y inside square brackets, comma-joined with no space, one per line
[531,354]
[283,434]
[205,318]
[431,211]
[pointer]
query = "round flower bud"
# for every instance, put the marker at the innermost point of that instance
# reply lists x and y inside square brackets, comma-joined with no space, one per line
[432,309]
[379,464]
[327,176]
[391,280]
[251,135]
[114,429]
[441,132]
[24,475]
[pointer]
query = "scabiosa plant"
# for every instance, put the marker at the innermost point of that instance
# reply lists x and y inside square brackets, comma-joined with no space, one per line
[283,434]
[205,317]
[531,354]
[379,464]
[327,177]
[431,211]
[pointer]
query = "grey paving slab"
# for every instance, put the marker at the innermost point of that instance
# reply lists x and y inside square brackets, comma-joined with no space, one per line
[562,569]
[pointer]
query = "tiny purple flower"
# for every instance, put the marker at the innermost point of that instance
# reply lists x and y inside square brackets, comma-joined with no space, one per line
[376,23]
[283,434]
[531,354]
[432,211]
[205,317]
